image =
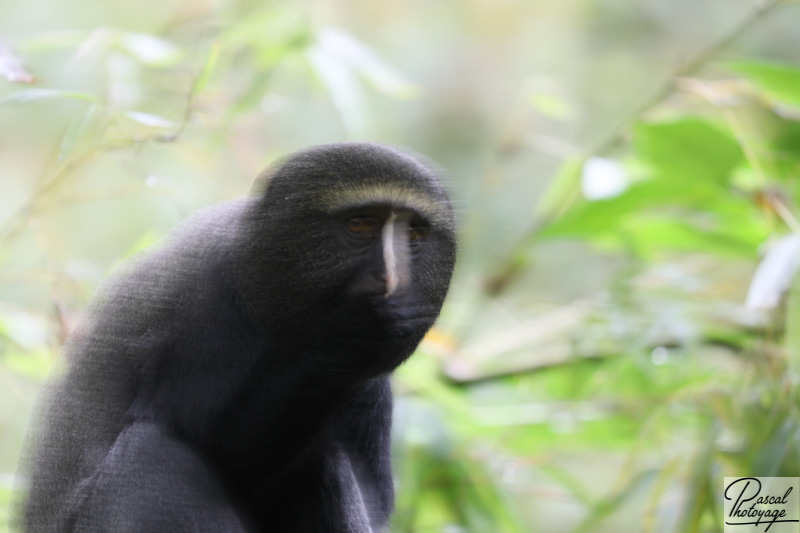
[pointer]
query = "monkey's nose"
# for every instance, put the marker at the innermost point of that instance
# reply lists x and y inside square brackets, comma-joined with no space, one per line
[383,280]
[393,286]
[395,254]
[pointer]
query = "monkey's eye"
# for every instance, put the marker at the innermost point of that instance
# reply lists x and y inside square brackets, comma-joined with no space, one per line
[362,225]
[417,234]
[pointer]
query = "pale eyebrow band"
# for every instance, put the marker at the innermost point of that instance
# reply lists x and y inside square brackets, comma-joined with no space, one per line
[384,195]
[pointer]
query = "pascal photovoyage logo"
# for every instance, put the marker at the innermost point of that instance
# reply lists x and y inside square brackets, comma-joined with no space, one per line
[762,504]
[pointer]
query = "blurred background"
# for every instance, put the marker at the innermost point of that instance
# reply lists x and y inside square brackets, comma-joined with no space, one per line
[621,332]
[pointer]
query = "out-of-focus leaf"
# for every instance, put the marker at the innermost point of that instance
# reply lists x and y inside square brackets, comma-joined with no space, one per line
[633,488]
[124,80]
[143,48]
[784,152]
[559,414]
[568,481]
[687,149]
[98,40]
[654,234]
[562,190]
[208,68]
[8,496]
[531,344]
[699,493]
[149,49]
[770,457]
[146,240]
[590,219]
[342,85]
[11,67]
[36,364]
[366,62]
[270,33]
[54,39]
[550,103]
[776,81]
[24,329]
[774,274]
[148,119]
[339,61]
[792,340]
[77,130]
[688,161]
[421,374]
[441,483]
[31,95]
[652,520]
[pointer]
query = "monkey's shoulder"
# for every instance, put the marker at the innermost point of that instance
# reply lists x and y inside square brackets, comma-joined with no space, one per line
[158,297]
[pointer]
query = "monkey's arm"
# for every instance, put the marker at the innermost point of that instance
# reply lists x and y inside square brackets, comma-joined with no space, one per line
[341,482]
[364,429]
[151,481]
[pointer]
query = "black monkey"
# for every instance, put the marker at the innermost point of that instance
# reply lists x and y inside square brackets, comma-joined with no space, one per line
[236,378]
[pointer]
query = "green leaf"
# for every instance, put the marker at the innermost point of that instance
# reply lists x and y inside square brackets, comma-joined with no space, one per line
[688,149]
[688,160]
[775,81]
[31,95]
[662,233]
[590,219]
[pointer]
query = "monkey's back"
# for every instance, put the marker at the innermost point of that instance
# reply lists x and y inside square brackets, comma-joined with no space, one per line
[130,322]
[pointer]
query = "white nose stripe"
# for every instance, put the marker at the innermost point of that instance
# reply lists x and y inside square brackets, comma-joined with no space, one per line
[389,255]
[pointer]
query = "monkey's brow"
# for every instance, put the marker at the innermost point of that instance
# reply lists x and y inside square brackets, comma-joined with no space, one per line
[421,202]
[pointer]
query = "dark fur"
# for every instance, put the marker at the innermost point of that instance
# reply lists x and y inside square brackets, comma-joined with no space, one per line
[235,379]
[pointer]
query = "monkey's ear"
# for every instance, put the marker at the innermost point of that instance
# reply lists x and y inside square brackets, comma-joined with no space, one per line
[260,184]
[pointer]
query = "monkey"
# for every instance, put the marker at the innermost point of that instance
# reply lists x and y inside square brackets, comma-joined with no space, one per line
[236,378]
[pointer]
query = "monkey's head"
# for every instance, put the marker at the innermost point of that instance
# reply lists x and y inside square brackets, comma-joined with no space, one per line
[348,244]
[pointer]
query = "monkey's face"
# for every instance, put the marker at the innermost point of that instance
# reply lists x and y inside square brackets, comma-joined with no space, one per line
[381,250]
[353,243]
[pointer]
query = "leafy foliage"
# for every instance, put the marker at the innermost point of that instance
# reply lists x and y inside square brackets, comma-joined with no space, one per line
[596,368]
